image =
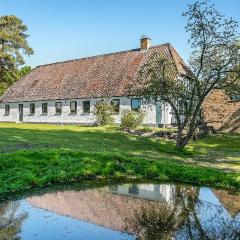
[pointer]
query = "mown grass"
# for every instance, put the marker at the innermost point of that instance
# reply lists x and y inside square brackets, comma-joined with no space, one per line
[44,155]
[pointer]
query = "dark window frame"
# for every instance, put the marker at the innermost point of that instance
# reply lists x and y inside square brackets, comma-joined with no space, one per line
[32,106]
[73,112]
[58,110]
[140,103]
[116,108]
[89,107]
[7,110]
[43,108]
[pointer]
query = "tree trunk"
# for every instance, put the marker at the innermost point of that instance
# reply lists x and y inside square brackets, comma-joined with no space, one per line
[182,141]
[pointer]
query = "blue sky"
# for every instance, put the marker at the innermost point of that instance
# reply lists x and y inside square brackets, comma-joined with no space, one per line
[68,29]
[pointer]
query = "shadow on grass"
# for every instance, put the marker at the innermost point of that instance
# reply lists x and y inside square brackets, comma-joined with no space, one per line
[92,140]
[43,156]
[220,143]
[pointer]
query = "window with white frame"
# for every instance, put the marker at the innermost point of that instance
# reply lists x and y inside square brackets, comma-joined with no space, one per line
[73,107]
[135,104]
[86,106]
[7,109]
[44,108]
[32,108]
[58,108]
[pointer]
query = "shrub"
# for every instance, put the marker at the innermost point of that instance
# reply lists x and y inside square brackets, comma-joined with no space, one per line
[146,129]
[132,119]
[104,111]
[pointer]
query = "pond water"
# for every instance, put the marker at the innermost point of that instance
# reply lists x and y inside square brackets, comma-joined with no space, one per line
[127,211]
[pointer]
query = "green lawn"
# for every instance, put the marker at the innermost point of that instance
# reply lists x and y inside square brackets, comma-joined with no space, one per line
[43,155]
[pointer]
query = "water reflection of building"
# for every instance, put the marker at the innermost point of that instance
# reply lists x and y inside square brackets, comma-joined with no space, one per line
[98,207]
[114,207]
[163,193]
[117,207]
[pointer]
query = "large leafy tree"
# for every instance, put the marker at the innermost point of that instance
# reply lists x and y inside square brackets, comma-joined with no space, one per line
[213,64]
[13,47]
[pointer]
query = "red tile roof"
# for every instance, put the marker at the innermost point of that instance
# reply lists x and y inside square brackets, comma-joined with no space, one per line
[99,76]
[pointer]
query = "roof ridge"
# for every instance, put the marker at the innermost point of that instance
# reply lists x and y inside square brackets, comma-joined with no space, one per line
[84,58]
[96,56]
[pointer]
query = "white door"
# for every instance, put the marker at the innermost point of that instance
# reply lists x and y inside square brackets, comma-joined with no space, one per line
[162,114]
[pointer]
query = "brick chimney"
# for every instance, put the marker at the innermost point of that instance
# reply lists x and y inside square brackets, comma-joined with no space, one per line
[145,43]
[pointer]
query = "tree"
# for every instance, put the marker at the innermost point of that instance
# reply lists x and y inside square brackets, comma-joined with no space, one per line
[13,76]
[215,56]
[233,89]
[24,71]
[104,113]
[13,46]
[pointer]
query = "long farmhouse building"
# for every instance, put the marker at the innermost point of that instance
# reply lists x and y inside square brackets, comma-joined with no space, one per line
[66,92]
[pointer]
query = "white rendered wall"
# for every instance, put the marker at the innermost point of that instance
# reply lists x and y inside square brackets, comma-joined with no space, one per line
[79,118]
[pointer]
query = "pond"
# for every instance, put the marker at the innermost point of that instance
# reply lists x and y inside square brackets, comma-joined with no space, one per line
[127,211]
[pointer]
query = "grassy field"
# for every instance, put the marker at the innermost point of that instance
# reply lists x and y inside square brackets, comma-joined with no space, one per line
[44,155]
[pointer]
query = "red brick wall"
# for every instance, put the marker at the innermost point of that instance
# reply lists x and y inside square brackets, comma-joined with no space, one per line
[221,113]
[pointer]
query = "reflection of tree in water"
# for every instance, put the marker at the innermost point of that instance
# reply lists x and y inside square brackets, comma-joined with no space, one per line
[155,222]
[10,221]
[161,221]
[217,225]
[183,219]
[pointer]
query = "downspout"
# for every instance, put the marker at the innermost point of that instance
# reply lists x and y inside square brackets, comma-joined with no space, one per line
[164,113]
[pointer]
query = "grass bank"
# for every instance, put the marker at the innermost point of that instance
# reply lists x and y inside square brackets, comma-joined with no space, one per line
[44,155]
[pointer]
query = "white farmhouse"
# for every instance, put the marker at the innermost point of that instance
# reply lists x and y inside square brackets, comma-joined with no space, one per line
[66,92]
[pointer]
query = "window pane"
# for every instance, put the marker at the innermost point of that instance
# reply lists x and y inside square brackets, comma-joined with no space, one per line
[73,107]
[234,97]
[136,103]
[86,106]
[32,108]
[58,106]
[116,105]
[44,108]
[7,109]
[180,107]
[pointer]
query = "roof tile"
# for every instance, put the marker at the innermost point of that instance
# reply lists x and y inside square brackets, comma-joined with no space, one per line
[99,76]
